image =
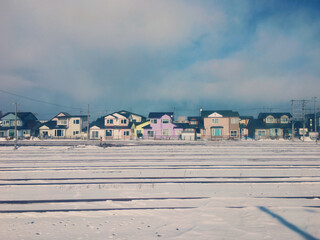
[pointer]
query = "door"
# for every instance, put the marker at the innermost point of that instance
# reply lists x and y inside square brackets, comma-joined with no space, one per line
[216,132]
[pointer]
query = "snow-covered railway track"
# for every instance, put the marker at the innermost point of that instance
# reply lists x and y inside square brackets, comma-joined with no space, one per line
[207,185]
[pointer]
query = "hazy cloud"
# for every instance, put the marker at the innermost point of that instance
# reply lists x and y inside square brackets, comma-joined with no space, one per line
[122,53]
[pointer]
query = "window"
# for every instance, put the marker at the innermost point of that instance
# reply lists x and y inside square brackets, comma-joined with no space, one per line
[261,133]
[215,120]
[77,121]
[234,120]
[6,122]
[233,133]
[217,132]
[274,132]
[284,120]
[63,122]
[189,130]
[126,133]
[75,132]
[123,121]
[139,134]
[165,132]
[165,121]
[109,121]
[11,133]
[108,133]
[150,133]
[95,134]
[154,121]
[270,120]
[193,122]
[58,133]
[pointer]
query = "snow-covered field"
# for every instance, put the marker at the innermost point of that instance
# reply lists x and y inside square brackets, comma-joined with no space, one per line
[208,190]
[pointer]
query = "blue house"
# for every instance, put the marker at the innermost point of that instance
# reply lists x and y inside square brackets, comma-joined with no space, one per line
[26,125]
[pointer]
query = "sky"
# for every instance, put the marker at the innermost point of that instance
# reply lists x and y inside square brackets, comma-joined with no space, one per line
[148,55]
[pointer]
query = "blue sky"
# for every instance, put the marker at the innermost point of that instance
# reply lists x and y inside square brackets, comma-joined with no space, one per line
[158,55]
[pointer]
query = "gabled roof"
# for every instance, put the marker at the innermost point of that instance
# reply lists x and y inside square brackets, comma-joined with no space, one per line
[125,113]
[72,116]
[160,114]
[64,113]
[224,113]
[49,124]
[140,123]
[147,127]
[128,114]
[21,115]
[53,125]
[275,115]
[99,123]
[197,118]
[260,124]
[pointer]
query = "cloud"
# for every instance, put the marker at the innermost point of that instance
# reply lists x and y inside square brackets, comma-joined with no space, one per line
[64,42]
[278,65]
[12,82]
[133,51]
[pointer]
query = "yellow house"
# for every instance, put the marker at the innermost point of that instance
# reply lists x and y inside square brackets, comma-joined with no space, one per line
[138,131]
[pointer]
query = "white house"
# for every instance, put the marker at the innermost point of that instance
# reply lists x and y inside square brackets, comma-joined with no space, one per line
[118,126]
[66,126]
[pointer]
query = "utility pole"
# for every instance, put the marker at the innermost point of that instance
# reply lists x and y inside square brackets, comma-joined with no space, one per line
[292,121]
[15,127]
[88,132]
[315,118]
[304,119]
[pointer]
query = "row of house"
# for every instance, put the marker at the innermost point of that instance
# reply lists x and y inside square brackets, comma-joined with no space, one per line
[124,125]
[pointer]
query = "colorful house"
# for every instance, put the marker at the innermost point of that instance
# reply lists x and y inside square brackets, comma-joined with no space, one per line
[244,121]
[162,127]
[116,126]
[191,128]
[97,129]
[66,126]
[139,129]
[271,126]
[26,125]
[222,124]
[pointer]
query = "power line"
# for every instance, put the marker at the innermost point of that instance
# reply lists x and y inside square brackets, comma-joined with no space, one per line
[39,101]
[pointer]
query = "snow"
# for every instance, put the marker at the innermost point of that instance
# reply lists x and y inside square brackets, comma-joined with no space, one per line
[161,190]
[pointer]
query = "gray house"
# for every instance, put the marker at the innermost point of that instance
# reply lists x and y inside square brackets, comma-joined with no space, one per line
[270,126]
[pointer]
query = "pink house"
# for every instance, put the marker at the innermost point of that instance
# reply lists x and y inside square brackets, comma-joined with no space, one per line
[162,126]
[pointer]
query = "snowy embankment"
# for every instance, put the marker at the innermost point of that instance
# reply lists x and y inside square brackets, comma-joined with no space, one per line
[172,190]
